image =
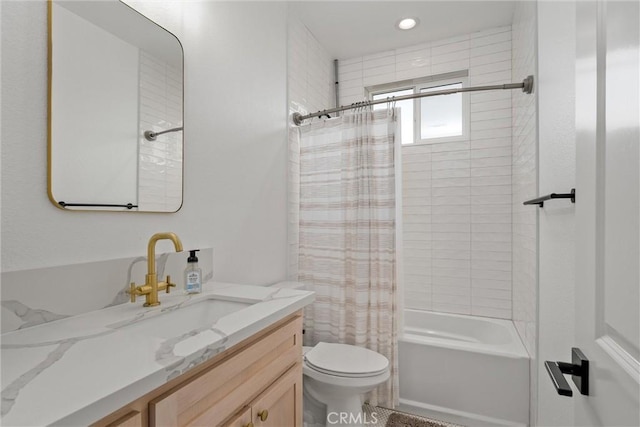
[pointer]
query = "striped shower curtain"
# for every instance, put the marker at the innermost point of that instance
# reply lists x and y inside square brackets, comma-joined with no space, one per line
[342,205]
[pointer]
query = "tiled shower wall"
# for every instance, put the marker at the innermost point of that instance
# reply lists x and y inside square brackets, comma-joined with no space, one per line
[524,181]
[160,161]
[310,88]
[525,186]
[310,71]
[456,195]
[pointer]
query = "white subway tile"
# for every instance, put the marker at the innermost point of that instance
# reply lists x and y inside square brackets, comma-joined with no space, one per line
[379,79]
[463,218]
[484,171]
[413,73]
[491,105]
[448,67]
[449,209]
[490,162]
[494,256]
[351,75]
[349,68]
[490,39]
[450,200]
[495,275]
[451,173]
[450,245]
[350,61]
[450,146]
[490,31]
[451,191]
[452,254]
[492,190]
[380,70]
[491,228]
[491,115]
[413,48]
[504,285]
[450,40]
[375,56]
[490,58]
[492,48]
[439,272]
[491,210]
[450,164]
[451,56]
[450,182]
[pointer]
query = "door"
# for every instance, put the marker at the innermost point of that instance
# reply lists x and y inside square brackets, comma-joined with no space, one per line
[608,211]
[281,404]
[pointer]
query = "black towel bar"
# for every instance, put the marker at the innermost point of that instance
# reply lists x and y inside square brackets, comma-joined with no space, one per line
[540,200]
[97,205]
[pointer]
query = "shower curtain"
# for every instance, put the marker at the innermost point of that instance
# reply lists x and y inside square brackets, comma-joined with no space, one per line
[343,209]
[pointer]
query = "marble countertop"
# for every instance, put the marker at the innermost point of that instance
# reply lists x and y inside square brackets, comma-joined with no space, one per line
[77,370]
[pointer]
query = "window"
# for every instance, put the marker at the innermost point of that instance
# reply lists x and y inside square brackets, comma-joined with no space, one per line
[429,120]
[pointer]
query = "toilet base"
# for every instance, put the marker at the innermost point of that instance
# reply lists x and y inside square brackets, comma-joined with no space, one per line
[339,411]
[345,412]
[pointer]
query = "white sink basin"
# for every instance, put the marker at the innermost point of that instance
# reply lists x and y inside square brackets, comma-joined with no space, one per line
[192,319]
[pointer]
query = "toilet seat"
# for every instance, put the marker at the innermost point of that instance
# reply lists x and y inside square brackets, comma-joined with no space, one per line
[345,360]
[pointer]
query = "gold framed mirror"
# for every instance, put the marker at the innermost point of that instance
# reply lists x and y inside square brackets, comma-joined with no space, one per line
[115,109]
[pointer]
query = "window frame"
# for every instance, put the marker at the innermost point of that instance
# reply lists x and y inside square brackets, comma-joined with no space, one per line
[424,83]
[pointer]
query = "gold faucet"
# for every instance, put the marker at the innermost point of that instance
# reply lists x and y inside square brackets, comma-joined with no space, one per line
[151,287]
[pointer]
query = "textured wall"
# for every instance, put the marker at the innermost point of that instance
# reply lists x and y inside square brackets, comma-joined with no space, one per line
[525,186]
[456,195]
[310,85]
[235,146]
[160,161]
[524,181]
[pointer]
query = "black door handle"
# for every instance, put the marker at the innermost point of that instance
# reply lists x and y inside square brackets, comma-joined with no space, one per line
[579,370]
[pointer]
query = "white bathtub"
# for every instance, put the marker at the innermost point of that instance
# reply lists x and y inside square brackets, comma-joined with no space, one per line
[463,369]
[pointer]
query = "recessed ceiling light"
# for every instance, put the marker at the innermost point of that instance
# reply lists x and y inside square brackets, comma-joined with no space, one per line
[407,23]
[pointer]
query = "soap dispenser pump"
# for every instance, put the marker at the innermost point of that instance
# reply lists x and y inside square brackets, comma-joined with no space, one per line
[192,274]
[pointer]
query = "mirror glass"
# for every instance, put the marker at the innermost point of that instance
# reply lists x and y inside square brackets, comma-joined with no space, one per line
[114,75]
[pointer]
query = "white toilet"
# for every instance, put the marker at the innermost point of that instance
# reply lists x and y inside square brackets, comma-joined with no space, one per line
[337,376]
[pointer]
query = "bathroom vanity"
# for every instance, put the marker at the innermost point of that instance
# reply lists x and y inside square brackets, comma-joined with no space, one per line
[230,356]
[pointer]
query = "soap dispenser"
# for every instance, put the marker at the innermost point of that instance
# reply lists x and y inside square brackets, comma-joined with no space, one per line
[192,274]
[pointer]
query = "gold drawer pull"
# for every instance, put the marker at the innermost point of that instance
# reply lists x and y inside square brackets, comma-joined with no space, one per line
[263,415]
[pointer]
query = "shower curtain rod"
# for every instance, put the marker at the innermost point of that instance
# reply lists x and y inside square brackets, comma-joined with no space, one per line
[526,86]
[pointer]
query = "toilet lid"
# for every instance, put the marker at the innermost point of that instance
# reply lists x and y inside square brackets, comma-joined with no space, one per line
[345,360]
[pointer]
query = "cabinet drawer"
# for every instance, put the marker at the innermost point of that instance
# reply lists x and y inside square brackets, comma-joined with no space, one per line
[217,393]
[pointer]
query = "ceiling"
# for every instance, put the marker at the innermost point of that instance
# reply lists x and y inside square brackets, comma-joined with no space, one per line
[353,28]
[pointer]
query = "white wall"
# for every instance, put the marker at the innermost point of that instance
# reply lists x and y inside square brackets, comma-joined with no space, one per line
[557,139]
[457,195]
[235,150]
[97,143]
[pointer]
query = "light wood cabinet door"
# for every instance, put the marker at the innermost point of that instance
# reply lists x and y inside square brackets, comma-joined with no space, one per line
[215,395]
[243,419]
[281,404]
[132,419]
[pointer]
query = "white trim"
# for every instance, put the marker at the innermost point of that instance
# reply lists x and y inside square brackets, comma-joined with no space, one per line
[423,83]
[465,112]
